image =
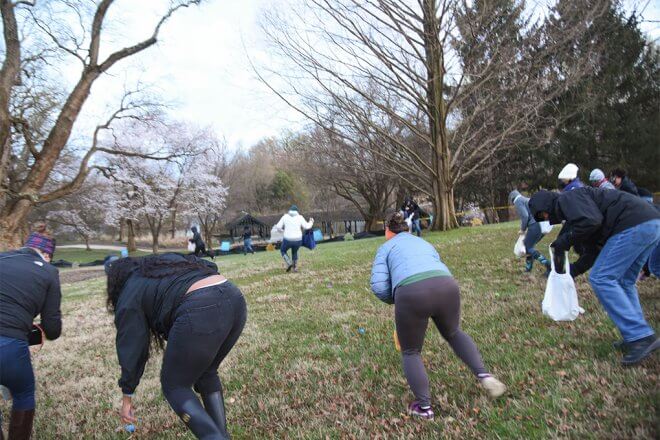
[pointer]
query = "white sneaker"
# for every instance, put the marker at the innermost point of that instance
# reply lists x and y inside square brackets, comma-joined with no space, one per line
[493,387]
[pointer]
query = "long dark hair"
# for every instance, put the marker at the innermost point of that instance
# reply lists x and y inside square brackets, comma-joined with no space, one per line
[151,266]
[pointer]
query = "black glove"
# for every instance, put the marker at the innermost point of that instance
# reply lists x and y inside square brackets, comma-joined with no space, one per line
[559,257]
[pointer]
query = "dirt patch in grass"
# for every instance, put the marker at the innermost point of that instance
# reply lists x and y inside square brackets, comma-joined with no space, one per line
[78,275]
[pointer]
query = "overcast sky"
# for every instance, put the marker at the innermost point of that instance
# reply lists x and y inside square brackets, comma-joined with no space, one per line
[201,66]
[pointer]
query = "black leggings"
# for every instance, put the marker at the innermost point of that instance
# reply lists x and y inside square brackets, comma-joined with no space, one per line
[437,298]
[206,326]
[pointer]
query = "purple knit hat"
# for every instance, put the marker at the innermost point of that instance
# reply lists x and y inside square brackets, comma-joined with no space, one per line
[41,242]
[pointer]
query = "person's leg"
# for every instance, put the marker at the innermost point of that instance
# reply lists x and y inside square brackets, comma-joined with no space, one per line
[283,251]
[200,328]
[446,309]
[532,237]
[294,254]
[654,261]
[619,257]
[417,227]
[209,385]
[411,329]
[17,375]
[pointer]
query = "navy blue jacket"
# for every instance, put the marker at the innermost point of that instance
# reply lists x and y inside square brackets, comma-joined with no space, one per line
[29,286]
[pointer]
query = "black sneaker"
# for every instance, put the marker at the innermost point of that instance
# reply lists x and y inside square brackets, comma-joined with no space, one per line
[640,350]
[288,269]
[620,345]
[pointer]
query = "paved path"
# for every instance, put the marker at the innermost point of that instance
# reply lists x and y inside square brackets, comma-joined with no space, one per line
[110,247]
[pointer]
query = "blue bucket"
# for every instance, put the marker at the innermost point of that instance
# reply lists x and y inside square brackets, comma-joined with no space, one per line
[318,235]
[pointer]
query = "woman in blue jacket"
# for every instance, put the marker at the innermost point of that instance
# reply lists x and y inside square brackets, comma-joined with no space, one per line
[408,273]
[181,299]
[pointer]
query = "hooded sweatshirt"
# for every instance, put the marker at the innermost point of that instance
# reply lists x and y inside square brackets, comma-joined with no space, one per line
[522,208]
[592,215]
[292,223]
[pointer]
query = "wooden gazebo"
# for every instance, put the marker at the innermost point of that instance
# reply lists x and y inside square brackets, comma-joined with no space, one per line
[236,226]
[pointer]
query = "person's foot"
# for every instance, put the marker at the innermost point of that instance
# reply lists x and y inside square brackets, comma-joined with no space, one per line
[493,387]
[528,265]
[620,345]
[640,350]
[289,267]
[423,412]
[295,268]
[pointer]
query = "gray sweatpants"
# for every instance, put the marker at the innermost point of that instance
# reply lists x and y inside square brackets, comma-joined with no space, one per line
[437,298]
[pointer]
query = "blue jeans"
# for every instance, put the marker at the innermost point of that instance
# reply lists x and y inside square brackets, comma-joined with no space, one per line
[294,246]
[247,246]
[16,372]
[417,227]
[532,237]
[614,275]
[654,261]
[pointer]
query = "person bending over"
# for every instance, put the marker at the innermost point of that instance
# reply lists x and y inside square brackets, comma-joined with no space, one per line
[29,286]
[408,273]
[628,229]
[532,231]
[183,300]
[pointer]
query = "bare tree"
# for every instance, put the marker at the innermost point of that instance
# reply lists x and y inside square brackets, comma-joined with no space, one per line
[45,157]
[407,61]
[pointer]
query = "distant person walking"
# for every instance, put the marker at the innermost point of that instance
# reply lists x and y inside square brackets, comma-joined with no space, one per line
[597,179]
[568,178]
[531,229]
[200,246]
[29,286]
[408,273]
[293,224]
[411,212]
[247,240]
[181,299]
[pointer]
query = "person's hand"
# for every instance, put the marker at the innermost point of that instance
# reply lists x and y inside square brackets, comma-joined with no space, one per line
[126,414]
[521,232]
[311,219]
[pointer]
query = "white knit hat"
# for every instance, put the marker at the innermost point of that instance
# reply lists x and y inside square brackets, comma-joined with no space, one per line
[569,172]
[596,175]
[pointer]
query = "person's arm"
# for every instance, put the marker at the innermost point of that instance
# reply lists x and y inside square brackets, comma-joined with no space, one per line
[307,224]
[381,283]
[585,260]
[280,224]
[51,314]
[132,346]
[523,213]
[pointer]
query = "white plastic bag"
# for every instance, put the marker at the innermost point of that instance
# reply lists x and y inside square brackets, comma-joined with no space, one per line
[560,302]
[546,227]
[519,248]
[191,246]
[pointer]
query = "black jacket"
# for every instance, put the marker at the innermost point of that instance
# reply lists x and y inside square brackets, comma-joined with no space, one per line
[197,238]
[147,305]
[628,186]
[592,215]
[28,287]
[410,208]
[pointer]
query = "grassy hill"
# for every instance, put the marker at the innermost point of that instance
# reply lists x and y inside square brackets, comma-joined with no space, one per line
[302,370]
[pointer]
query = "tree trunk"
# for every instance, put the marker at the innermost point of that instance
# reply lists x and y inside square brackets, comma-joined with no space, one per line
[121,230]
[130,233]
[443,192]
[86,238]
[9,76]
[173,230]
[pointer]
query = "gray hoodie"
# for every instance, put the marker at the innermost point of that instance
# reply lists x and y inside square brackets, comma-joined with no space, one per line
[522,207]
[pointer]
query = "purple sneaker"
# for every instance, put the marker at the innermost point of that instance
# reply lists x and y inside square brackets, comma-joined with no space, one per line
[415,409]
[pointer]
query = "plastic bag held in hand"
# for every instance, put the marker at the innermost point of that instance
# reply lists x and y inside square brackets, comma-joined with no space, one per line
[519,248]
[560,302]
